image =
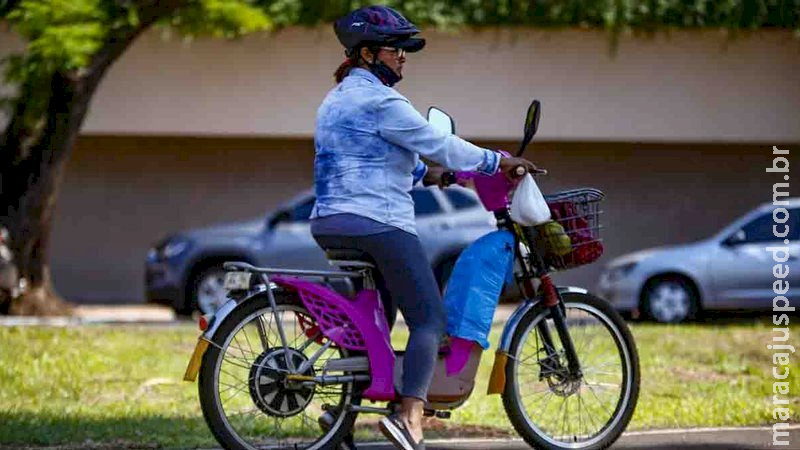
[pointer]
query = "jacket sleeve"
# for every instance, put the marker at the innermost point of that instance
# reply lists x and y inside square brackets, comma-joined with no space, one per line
[401,124]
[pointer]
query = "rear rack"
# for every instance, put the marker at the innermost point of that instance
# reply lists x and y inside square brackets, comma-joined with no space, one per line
[245,267]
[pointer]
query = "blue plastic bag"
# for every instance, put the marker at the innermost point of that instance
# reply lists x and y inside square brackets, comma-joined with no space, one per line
[475,286]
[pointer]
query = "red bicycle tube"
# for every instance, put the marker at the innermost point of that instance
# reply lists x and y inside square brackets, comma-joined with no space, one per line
[549,291]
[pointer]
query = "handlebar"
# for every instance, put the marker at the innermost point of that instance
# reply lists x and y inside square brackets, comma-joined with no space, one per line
[450,177]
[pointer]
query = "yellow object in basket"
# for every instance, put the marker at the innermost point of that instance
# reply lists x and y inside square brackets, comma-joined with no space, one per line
[555,239]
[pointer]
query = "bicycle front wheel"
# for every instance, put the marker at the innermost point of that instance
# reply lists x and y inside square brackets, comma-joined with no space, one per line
[550,408]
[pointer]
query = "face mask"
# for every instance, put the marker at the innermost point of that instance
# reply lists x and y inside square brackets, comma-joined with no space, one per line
[385,73]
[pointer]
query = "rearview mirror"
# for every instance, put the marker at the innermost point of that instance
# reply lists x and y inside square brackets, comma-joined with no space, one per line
[441,120]
[531,124]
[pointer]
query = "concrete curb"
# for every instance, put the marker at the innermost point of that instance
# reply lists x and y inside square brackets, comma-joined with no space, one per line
[101,314]
[148,315]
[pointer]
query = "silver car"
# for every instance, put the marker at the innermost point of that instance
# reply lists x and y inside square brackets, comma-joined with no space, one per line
[184,270]
[731,270]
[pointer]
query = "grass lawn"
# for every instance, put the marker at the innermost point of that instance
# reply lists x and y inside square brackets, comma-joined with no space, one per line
[121,386]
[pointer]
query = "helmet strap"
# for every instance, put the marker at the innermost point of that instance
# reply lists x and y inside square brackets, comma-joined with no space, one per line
[384,73]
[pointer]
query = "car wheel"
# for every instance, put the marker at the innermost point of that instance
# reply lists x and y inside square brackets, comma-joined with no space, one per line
[208,293]
[670,300]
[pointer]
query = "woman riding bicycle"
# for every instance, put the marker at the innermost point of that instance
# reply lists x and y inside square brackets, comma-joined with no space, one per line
[369,140]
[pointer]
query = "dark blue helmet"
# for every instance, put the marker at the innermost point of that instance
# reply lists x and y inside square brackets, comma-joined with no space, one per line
[377,25]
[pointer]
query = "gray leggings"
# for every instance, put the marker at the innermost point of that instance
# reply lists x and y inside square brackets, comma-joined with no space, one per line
[405,280]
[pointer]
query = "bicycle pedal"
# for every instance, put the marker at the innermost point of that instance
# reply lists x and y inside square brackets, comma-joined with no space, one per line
[443,414]
[436,413]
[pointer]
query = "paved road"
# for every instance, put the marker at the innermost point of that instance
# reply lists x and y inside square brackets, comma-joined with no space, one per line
[694,439]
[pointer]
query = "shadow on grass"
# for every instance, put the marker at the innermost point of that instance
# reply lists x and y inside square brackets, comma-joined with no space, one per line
[735,317]
[38,431]
[31,431]
[721,319]
[26,430]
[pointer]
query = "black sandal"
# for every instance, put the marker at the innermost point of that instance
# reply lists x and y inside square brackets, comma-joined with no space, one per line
[326,422]
[396,432]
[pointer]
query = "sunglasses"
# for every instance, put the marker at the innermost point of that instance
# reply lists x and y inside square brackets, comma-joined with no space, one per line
[399,52]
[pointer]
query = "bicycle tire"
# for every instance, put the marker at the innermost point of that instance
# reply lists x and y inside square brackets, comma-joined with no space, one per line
[513,403]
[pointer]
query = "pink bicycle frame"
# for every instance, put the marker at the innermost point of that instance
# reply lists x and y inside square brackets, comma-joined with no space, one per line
[359,324]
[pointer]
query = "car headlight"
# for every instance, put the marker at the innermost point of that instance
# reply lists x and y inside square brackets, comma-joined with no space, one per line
[174,248]
[617,273]
[167,249]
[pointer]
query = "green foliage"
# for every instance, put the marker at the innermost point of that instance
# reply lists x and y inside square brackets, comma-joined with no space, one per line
[608,14]
[66,35]
[220,18]
[61,35]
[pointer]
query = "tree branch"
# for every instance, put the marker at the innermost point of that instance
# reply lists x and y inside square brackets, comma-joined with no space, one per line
[119,40]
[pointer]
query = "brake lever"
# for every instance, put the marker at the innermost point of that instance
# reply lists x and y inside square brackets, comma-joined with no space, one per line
[520,171]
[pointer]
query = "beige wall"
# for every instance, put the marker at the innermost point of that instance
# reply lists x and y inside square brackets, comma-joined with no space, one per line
[122,194]
[688,86]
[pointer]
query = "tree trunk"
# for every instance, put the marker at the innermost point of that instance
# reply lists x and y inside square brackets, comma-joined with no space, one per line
[32,162]
[30,189]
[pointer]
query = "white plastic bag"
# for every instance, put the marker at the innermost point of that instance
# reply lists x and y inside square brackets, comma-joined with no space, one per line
[527,205]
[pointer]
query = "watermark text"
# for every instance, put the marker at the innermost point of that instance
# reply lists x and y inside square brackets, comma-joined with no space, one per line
[782,349]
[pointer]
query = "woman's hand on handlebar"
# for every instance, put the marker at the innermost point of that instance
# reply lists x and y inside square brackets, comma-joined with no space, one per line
[513,167]
[516,167]
[434,176]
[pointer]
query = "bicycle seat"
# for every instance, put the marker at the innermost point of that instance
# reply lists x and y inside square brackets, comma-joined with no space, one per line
[348,254]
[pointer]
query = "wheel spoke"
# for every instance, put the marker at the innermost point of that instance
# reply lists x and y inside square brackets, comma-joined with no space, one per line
[539,378]
[253,402]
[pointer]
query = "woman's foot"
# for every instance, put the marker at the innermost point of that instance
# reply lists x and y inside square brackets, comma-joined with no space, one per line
[397,431]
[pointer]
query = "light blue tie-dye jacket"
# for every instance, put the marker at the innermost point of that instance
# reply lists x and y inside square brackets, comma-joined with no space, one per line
[368,142]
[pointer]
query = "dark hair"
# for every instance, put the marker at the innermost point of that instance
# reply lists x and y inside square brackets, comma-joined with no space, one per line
[345,67]
[353,58]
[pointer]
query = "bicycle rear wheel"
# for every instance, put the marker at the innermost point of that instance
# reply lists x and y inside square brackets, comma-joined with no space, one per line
[550,409]
[246,398]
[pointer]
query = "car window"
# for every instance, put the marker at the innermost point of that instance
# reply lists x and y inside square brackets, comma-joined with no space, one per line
[424,202]
[302,212]
[760,229]
[460,200]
